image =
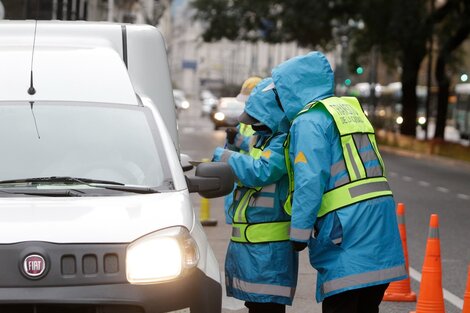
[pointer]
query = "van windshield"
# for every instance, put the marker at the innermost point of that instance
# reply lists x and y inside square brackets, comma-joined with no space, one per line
[100,142]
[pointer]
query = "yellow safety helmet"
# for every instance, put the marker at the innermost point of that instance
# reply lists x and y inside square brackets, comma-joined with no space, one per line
[247,87]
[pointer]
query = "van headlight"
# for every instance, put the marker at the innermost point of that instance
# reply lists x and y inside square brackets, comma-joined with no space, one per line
[161,256]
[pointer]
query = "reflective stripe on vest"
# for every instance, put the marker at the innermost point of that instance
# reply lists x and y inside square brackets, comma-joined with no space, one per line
[290,174]
[245,232]
[263,289]
[260,232]
[354,192]
[359,149]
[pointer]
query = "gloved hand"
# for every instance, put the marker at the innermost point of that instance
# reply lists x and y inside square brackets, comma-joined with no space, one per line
[231,134]
[218,151]
[298,246]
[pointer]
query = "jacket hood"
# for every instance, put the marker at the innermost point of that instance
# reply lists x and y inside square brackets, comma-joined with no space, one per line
[301,80]
[263,106]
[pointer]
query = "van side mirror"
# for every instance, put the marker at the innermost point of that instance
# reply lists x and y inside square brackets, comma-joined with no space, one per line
[185,162]
[212,180]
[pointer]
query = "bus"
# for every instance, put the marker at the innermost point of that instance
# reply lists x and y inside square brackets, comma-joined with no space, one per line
[462,110]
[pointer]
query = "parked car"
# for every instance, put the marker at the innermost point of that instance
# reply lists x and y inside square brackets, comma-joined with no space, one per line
[181,103]
[208,102]
[208,105]
[95,213]
[226,112]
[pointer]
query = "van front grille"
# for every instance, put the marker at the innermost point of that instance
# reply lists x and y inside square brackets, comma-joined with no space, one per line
[66,264]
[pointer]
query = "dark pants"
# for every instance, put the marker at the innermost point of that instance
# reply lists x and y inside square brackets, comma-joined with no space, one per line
[363,300]
[258,307]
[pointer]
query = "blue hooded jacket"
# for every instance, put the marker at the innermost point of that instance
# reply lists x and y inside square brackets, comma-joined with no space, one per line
[355,246]
[262,272]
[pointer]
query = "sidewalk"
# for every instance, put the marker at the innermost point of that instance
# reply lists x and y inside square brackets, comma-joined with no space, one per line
[450,150]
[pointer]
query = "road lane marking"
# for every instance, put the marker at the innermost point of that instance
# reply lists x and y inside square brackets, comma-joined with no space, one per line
[424,183]
[449,296]
[407,178]
[463,196]
[192,130]
[442,189]
[393,174]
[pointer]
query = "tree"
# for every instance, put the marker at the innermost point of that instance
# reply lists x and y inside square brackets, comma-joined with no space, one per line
[397,29]
[453,31]
[272,20]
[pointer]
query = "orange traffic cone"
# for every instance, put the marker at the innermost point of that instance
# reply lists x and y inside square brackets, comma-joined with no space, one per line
[466,296]
[431,297]
[401,290]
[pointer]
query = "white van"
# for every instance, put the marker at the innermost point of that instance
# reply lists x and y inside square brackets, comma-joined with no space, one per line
[95,214]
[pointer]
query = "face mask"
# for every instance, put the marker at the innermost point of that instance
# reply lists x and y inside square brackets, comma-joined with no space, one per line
[260,128]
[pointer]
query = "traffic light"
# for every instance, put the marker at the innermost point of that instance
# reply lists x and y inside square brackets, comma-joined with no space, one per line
[359,70]
[347,82]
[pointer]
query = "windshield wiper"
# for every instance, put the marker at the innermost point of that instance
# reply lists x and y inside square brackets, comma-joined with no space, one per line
[53,193]
[95,183]
[135,189]
[59,179]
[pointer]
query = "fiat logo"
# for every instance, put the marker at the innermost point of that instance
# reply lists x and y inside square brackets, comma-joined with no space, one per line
[34,265]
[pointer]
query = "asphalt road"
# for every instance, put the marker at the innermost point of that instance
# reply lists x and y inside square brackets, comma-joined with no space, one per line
[425,185]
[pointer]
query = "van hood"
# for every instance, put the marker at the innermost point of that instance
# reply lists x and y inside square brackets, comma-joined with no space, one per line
[118,219]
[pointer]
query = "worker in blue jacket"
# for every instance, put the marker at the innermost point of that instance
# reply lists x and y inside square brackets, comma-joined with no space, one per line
[261,264]
[341,204]
[240,138]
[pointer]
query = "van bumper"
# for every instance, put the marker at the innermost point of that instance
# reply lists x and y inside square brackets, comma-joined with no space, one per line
[195,291]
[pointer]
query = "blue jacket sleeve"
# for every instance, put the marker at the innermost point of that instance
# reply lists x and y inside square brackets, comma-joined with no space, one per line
[251,172]
[310,155]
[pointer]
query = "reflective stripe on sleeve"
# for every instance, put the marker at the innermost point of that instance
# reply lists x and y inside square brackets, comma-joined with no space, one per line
[264,289]
[225,156]
[301,234]
[364,278]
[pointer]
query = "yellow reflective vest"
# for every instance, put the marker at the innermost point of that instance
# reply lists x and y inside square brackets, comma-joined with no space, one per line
[355,132]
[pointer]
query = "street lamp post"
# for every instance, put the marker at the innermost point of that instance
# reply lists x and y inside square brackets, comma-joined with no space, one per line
[429,76]
[2,11]
[110,10]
